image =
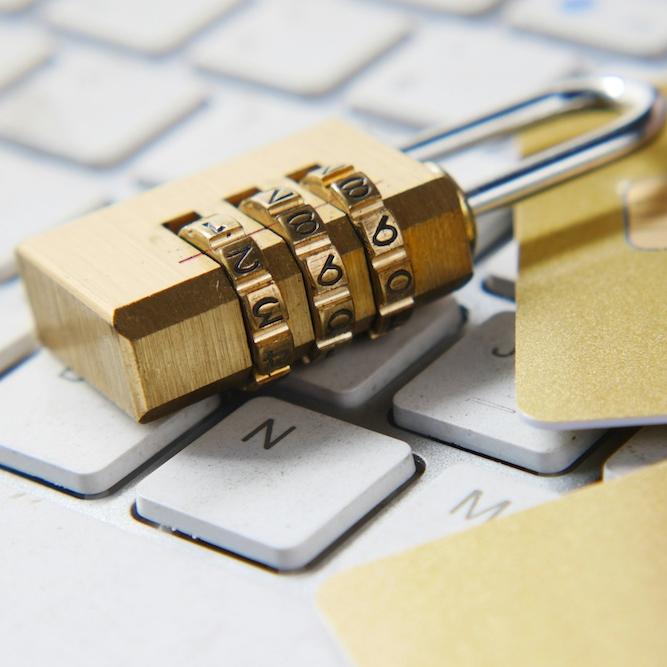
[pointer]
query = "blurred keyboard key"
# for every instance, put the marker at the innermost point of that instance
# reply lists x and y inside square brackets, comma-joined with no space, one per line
[466,397]
[37,195]
[101,594]
[461,497]
[231,124]
[21,49]
[14,5]
[17,339]
[467,7]
[501,271]
[452,73]
[307,48]
[64,432]
[356,372]
[96,109]
[637,28]
[646,447]
[275,483]
[152,26]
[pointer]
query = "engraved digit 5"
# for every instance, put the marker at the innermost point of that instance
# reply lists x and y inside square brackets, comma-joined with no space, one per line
[264,314]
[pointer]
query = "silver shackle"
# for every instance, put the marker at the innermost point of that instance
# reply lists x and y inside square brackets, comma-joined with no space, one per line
[642,116]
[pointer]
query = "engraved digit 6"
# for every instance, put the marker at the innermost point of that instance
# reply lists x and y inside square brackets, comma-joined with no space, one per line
[303,222]
[384,227]
[265,317]
[328,267]
[356,187]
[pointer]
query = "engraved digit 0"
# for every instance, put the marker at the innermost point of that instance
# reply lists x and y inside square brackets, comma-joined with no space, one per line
[399,281]
[303,222]
[340,319]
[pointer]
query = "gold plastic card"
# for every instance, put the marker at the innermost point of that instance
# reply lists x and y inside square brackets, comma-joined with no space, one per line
[591,338]
[578,581]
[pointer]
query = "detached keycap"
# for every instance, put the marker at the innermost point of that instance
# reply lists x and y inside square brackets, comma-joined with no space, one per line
[275,483]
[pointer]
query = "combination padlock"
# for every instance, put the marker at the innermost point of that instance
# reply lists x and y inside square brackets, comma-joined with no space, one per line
[230,277]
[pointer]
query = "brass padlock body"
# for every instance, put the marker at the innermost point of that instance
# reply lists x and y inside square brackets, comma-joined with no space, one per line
[154,324]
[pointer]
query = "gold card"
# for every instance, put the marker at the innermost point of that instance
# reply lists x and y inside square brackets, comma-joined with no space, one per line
[577,581]
[591,332]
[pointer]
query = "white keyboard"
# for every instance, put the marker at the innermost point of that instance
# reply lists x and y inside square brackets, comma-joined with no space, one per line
[171,543]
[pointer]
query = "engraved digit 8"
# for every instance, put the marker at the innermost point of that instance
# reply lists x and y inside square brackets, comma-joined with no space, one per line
[356,187]
[303,222]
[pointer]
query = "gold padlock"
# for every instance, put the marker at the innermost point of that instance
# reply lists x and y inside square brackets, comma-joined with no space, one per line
[229,277]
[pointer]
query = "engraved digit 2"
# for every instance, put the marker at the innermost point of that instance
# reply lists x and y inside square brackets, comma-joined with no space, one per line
[241,265]
[265,314]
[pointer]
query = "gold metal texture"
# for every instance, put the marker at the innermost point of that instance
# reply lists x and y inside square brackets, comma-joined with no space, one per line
[222,237]
[283,209]
[390,266]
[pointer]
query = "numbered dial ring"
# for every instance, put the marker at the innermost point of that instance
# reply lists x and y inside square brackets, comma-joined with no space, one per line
[390,268]
[223,238]
[283,210]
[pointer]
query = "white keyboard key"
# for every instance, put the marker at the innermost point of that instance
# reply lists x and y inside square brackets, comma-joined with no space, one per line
[454,72]
[230,125]
[153,26]
[14,5]
[461,497]
[17,339]
[21,49]
[79,591]
[467,7]
[96,109]
[303,47]
[275,483]
[64,432]
[466,397]
[647,446]
[36,196]
[356,372]
[637,28]
[501,271]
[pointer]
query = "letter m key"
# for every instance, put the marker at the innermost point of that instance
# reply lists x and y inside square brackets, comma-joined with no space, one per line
[472,511]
